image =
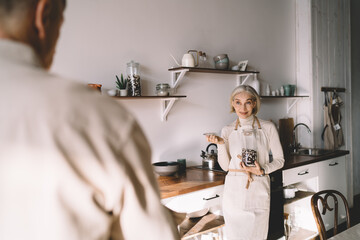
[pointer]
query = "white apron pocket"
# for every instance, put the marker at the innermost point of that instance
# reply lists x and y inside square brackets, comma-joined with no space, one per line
[258,194]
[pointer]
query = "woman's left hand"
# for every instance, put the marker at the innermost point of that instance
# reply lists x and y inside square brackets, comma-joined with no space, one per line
[254,170]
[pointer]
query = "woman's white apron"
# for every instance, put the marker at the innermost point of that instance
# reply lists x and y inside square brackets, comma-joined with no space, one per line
[246,211]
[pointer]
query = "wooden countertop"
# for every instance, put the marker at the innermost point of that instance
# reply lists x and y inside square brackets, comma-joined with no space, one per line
[193,179]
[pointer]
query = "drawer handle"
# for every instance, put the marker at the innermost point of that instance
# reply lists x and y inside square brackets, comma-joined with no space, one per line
[207,199]
[303,173]
[333,164]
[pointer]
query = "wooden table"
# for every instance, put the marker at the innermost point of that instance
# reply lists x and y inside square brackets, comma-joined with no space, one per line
[352,233]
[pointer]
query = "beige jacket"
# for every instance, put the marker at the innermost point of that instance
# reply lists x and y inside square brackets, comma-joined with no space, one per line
[73,164]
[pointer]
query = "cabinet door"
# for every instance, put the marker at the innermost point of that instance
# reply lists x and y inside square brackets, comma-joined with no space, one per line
[195,201]
[332,175]
[300,174]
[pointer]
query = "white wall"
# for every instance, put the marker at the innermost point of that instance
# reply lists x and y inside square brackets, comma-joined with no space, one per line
[100,37]
[332,68]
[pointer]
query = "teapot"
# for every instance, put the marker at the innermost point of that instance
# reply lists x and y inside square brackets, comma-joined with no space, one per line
[188,59]
[210,159]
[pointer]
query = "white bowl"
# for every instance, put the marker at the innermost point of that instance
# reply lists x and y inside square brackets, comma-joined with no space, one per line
[198,213]
[166,168]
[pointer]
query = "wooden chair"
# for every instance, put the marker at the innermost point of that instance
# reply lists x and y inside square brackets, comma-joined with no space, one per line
[325,206]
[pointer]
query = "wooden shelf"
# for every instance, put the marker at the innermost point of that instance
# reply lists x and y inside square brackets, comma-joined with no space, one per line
[166,102]
[148,97]
[291,100]
[298,195]
[178,73]
[212,70]
[332,89]
[275,97]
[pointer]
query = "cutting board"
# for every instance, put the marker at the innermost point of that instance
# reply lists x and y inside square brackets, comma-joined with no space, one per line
[286,126]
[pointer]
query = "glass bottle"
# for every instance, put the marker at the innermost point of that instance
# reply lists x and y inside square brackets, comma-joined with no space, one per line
[267,91]
[255,84]
[133,77]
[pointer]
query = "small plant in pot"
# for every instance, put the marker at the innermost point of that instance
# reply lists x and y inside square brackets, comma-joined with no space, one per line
[121,85]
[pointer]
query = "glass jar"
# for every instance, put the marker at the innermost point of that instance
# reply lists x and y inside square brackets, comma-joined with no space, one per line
[133,77]
[163,89]
[249,147]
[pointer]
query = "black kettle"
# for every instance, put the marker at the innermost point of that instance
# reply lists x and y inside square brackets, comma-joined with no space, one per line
[210,158]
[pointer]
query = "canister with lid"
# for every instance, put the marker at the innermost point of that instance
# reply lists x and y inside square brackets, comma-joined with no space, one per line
[162,89]
[133,76]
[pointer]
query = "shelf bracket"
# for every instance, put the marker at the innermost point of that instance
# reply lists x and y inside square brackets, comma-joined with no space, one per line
[166,105]
[239,76]
[177,76]
[289,105]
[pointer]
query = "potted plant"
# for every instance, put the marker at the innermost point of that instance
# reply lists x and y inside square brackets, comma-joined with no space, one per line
[121,85]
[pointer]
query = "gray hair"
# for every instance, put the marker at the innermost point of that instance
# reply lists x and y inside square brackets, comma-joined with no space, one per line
[248,89]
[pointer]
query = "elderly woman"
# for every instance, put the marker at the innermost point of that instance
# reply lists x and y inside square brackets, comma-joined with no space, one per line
[243,151]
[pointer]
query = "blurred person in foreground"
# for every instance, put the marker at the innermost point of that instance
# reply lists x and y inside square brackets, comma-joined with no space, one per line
[73,164]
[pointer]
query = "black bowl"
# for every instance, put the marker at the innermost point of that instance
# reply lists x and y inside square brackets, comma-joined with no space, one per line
[166,168]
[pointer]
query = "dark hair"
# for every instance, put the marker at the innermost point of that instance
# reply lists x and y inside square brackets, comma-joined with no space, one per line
[7,6]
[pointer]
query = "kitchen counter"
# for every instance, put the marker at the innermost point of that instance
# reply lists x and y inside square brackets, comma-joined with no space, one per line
[194,179]
[300,160]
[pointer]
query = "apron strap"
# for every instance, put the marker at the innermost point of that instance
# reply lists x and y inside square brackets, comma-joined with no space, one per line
[237,124]
[258,122]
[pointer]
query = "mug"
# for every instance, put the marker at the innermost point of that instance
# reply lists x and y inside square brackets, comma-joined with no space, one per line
[292,90]
[287,90]
[182,166]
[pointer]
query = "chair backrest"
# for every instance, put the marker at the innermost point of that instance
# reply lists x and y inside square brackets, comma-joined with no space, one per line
[325,206]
